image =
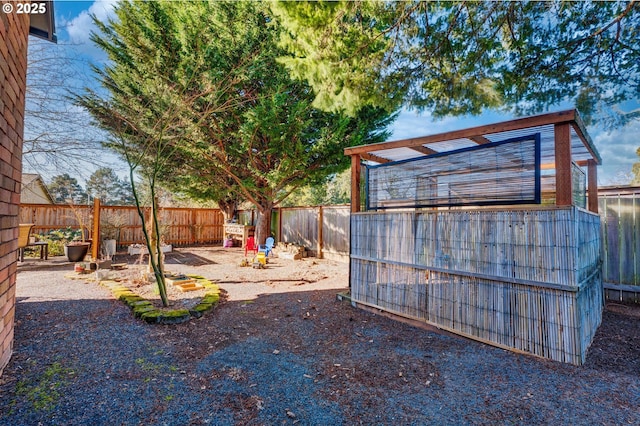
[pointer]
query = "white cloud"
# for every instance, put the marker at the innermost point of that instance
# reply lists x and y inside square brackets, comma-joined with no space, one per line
[617,149]
[79,29]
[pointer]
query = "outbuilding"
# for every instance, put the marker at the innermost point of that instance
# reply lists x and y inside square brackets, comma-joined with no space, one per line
[490,232]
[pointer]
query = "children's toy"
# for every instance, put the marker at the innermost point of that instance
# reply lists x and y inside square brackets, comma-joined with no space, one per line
[260,260]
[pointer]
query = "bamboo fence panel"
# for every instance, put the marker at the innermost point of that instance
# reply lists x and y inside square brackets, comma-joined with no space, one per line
[521,279]
[527,245]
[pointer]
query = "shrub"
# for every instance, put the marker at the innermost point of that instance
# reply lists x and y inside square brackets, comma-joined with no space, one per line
[57,238]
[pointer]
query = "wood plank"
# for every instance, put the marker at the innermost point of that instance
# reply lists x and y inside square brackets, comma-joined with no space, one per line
[320,221]
[424,150]
[564,181]
[95,245]
[479,139]
[374,158]
[592,186]
[355,183]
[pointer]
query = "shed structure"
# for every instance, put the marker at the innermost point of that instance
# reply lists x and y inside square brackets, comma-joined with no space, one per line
[490,232]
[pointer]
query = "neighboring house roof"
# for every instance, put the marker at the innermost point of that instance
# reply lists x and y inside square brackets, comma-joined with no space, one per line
[34,191]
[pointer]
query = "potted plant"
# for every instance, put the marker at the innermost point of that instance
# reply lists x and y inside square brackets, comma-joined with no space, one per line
[77,248]
[110,226]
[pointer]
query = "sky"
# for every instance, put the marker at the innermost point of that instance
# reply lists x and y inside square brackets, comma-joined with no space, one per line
[617,148]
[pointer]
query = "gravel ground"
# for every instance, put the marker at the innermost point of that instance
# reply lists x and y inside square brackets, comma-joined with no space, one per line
[284,351]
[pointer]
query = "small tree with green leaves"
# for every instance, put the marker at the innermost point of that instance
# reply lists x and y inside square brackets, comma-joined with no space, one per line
[127,137]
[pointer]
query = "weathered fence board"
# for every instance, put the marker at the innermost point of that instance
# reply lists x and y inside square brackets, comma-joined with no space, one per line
[335,230]
[620,212]
[300,226]
[184,226]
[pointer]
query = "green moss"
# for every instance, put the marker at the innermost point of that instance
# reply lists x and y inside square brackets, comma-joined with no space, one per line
[175,313]
[122,296]
[175,317]
[199,310]
[152,317]
[44,393]
[141,310]
[202,307]
[129,300]
[210,299]
[145,310]
[196,277]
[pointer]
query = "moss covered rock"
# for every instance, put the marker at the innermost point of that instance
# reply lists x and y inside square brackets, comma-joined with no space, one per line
[174,317]
[138,311]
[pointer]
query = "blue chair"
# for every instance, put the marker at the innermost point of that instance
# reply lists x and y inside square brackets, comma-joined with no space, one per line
[268,246]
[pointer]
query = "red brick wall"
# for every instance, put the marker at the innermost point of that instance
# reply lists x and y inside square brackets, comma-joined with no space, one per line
[14,30]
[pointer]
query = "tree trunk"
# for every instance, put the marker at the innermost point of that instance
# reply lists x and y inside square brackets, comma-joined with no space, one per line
[263,224]
[155,255]
[228,208]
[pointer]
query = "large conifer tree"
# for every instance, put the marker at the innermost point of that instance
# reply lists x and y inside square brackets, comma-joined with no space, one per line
[241,124]
[461,57]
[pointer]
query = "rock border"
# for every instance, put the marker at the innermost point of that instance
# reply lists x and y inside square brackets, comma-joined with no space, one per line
[144,309]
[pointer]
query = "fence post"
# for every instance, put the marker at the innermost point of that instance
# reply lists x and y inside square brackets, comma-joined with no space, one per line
[193,228]
[279,236]
[95,245]
[355,183]
[320,220]
[592,186]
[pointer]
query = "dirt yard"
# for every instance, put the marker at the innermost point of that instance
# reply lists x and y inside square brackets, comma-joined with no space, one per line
[280,349]
[222,266]
[617,343]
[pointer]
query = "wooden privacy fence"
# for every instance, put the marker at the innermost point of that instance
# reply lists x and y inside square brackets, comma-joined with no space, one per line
[322,230]
[620,212]
[180,226]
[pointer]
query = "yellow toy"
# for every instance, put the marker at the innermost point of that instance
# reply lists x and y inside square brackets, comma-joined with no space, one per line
[260,260]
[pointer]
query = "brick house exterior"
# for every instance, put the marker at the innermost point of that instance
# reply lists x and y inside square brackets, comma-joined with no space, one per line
[14,30]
